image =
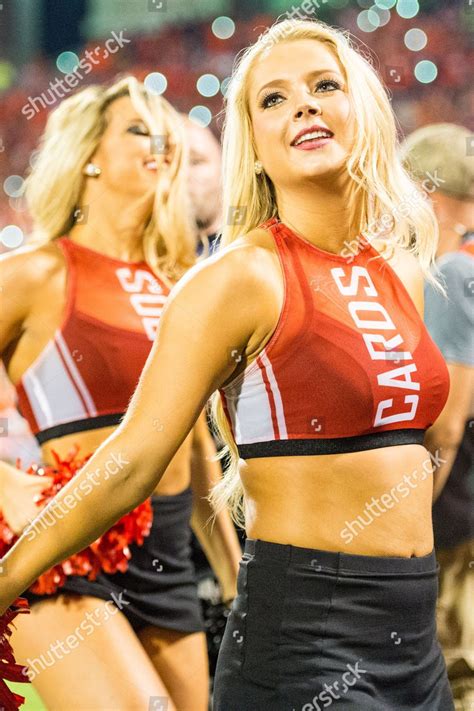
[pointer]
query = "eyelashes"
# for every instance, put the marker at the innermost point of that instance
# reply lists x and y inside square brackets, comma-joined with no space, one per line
[138,130]
[264,103]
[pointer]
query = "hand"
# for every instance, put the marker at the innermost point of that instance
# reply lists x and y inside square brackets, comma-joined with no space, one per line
[17,606]
[18,494]
[228,602]
[228,593]
[5,596]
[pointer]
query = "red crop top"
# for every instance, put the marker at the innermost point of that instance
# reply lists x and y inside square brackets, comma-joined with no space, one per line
[85,376]
[349,367]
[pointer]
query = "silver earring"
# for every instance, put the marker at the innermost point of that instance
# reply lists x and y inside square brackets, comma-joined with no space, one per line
[258,167]
[92,170]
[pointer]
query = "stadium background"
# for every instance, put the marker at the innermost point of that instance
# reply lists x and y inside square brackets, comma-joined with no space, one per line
[421,48]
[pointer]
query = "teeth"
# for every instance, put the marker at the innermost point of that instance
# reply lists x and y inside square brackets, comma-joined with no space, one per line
[151,164]
[312,135]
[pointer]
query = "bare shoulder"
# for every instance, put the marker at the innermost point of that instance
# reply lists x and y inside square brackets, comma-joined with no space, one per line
[259,237]
[408,269]
[30,265]
[258,243]
[257,251]
[242,264]
[234,294]
[28,280]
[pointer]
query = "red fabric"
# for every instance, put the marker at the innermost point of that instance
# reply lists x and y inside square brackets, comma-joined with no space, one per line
[326,372]
[9,669]
[110,553]
[110,320]
[468,247]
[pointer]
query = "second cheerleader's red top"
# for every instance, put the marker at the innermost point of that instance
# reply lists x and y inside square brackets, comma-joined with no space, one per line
[85,376]
[349,367]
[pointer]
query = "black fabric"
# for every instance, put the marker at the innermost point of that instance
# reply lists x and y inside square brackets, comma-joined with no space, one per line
[310,628]
[214,240]
[160,583]
[89,423]
[453,512]
[334,445]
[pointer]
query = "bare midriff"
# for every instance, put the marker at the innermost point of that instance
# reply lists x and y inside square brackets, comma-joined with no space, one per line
[375,502]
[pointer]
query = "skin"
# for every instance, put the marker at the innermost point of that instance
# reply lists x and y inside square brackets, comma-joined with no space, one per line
[311,188]
[166,662]
[204,175]
[302,501]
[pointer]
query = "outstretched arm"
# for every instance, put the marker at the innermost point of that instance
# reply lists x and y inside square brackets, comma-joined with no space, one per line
[216,308]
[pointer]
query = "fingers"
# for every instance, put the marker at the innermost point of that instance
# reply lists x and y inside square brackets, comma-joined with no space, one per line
[40,482]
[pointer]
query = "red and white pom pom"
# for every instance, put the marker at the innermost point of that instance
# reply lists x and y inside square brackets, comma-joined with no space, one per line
[110,553]
[9,669]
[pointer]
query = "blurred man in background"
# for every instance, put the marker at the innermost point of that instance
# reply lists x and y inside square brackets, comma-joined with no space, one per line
[445,150]
[205,179]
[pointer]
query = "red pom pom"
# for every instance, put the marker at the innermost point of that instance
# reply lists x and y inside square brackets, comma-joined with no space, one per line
[110,553]
[9,701]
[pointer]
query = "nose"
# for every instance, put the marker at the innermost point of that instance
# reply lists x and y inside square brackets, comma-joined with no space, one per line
[307,105]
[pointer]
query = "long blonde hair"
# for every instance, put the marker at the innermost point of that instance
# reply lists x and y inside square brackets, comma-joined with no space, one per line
[73,132]
[379,184]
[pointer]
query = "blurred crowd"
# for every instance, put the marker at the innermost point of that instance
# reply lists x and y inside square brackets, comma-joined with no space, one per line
[183,53]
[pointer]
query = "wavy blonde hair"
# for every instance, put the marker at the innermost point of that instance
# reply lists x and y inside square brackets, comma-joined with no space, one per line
[379,184]
[73,133]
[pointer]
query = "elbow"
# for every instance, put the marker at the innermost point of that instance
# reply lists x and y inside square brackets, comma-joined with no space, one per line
[138,484]
[131,472]
[445,435]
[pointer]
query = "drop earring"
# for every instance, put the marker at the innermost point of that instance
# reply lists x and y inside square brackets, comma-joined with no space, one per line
[92,170]
[258,167]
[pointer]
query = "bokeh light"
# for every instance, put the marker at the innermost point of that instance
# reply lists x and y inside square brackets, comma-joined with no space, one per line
[426,71]
[34,155]
[208,85]
[11,236]
[7,74]
[155,83]
[67,62]
[408,8]
[365,23]
[200,115]
[378,16]
[14,186]
[415,39]
[385,4]
[223,27]
[224,85]
[18,204]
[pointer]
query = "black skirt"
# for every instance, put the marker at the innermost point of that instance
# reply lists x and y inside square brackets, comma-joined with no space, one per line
[312,628]
[159,587]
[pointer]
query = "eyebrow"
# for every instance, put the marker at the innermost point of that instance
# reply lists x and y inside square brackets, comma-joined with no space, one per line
[316,72]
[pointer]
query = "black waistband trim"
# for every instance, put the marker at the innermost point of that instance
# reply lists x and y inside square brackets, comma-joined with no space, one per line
[287,554]
[91,423]
[335,445]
